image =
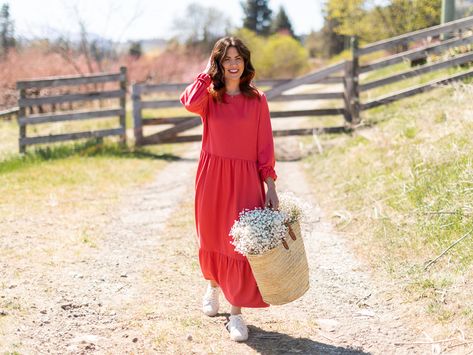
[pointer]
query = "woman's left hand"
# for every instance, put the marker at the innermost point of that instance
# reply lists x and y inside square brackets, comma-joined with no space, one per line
[272,199]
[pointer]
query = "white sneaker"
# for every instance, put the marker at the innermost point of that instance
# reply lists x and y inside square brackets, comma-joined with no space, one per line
[210,302]
[237,328]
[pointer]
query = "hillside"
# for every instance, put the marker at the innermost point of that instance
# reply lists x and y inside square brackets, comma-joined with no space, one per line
[400,189]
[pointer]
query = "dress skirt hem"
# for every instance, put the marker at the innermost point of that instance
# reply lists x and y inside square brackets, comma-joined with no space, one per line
[234,277]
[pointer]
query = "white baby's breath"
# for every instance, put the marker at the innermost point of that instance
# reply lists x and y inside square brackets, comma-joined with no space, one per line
[295,208]
[259,230]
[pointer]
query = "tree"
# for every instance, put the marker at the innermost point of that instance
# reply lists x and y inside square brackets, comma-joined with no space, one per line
[281,23]
[347,16]
[371,21]
[7,35]
[331,41]
[135,49]
[283,57]
[276,56]
[201,25]
[257,16]
[402,16]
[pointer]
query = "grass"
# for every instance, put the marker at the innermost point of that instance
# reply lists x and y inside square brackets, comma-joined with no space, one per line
[93,148]
[401,190]
[9,134]
[75,173]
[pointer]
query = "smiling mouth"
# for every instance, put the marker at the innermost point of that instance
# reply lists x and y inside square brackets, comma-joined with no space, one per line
[233,71]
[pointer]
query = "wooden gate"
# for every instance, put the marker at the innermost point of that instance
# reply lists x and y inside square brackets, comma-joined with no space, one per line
[51,109]
[274,94]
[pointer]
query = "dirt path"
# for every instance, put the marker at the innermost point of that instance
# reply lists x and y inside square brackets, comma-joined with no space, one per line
[139,291]
[81,305]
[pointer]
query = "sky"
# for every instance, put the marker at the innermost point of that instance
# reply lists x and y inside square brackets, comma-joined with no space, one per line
[138,19]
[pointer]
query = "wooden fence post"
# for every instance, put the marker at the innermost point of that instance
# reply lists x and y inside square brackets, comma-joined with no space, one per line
[137,119]
[351,85]
[347,88]
[21,114]
[123,86]
[355,90]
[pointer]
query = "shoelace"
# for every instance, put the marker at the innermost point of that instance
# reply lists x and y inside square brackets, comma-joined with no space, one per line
[237,322]
[211,295]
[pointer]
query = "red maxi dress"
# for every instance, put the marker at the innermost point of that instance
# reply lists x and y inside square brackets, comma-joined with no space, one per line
[237,156]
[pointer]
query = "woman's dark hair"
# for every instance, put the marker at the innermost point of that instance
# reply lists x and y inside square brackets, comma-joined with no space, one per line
[217,73]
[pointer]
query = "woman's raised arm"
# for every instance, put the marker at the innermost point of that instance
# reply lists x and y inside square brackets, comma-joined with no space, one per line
[195,97]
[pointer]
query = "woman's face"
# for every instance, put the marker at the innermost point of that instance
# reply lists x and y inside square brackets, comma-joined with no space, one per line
[233,64]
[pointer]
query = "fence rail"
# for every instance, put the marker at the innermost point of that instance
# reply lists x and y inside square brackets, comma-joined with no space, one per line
[417,53]
[7,114]
[462,59]
[26,118]
[71,80]
[414,90]
[416,35]
[275,93]
[463,37]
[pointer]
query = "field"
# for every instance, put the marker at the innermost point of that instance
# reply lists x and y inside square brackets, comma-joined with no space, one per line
[400,189]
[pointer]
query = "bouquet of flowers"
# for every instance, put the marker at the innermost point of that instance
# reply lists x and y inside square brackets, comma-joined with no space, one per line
[261,229]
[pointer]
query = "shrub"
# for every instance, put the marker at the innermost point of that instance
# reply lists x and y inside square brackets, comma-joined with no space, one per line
[283,57]
[279,56]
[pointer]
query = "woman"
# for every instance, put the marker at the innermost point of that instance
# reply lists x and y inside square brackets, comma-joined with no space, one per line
[236,159]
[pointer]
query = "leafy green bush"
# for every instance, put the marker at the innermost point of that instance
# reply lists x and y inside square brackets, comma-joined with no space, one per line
[278,56]
[283,57]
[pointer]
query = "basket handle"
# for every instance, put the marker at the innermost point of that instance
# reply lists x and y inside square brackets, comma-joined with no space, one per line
[291,232]
[284,243]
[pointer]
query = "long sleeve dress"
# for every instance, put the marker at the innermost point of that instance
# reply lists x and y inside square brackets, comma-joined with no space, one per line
[237,156]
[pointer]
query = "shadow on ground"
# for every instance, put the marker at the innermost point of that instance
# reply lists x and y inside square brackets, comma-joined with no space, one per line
[269,342]
[92,148]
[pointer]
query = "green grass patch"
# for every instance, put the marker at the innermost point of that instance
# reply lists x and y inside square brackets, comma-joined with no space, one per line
[94,148]
[9,134]
[71,172]
[406,185]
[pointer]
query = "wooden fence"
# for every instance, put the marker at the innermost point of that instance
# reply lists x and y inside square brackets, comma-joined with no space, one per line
[9,113]
[459,34]
[183,123]
[27,105]
[350,73]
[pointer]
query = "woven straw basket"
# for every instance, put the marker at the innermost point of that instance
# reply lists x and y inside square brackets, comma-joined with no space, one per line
[282,273]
